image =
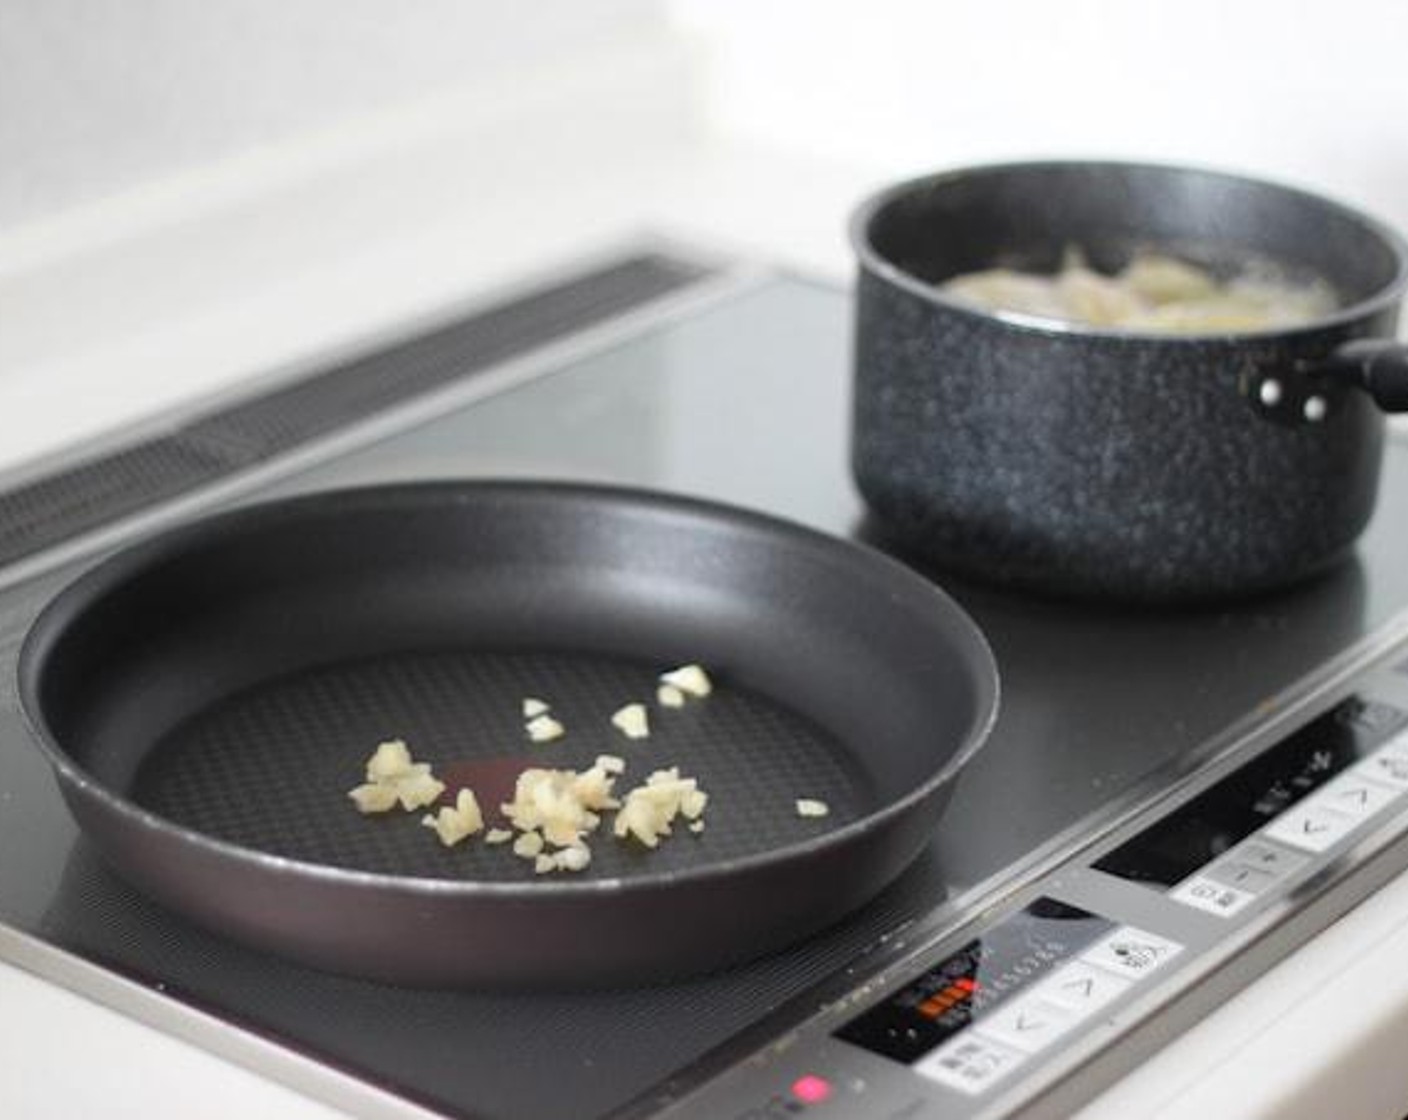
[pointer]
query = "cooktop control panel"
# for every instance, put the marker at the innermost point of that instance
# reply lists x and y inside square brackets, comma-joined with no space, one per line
[987,1021]
[977,1014]
[1253,830]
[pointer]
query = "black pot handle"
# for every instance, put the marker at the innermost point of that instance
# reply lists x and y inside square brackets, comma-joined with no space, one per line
[1377,366]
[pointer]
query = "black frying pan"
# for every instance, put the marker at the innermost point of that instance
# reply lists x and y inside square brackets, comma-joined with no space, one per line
[207,699]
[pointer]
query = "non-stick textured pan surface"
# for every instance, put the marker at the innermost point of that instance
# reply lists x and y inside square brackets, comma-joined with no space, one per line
[269,767]
[209,697]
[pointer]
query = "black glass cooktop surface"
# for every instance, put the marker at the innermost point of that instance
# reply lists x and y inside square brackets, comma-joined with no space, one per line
[742,398]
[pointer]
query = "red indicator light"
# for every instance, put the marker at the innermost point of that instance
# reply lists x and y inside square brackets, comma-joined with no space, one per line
[966,984]
[811,1089]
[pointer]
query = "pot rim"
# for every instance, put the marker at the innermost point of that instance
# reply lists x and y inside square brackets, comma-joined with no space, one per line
[873,261]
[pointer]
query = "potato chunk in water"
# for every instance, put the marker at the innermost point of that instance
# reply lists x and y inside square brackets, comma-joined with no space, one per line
[1154,293]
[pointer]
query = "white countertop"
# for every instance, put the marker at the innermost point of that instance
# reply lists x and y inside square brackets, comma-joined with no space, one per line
[205,285]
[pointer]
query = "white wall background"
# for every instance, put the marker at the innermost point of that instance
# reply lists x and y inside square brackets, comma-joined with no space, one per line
[104,97]
[1311,91]
[98,97]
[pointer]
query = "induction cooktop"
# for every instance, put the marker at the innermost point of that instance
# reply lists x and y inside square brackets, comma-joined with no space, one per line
[1141,762]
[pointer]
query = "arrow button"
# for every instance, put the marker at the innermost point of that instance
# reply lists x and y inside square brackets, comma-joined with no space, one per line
[1028,1023]
[1310,827]
[1081,988]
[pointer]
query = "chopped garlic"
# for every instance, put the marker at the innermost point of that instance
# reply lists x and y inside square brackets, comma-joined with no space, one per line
[554,812]
[560,808]
[640,819]
[393,777]
[419,788]
[692,803]
[392,759]
[560,803]
[811,807]
[669,696]
[689,679]
[561,833]
[551,801]
[574,858]
[650,809]
[593,788]
[374,797]
[632,721]
[544,729]
[453,825]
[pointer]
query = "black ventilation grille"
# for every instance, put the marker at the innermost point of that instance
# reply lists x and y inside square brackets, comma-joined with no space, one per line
[78,499]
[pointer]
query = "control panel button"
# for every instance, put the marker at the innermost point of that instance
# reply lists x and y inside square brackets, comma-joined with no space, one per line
[969,1063]
[1256,858]
[1081,988]
[1131,952]
[1202,892]
[1242,876]
[811,1088]
[1355,795]
[1387,764]
[1311,827]
[1029,1024]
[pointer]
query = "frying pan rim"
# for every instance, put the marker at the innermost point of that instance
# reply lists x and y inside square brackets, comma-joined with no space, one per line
[877,264]
[111,571]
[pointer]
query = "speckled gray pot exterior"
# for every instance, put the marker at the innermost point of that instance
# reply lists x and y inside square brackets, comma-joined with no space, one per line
[1085,463]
